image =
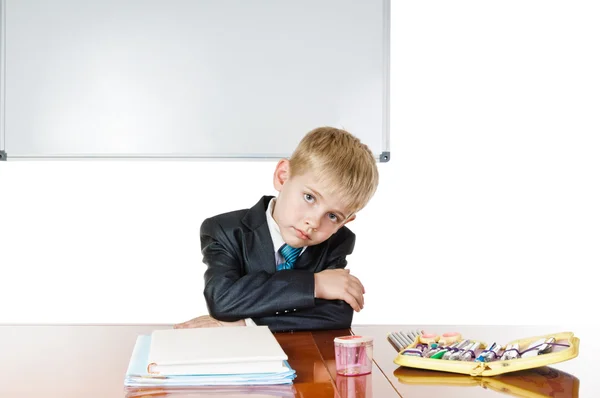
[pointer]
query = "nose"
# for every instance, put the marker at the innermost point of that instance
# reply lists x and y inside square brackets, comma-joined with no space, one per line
[312,221]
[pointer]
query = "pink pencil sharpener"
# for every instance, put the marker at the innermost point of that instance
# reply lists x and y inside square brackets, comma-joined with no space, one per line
[353,355]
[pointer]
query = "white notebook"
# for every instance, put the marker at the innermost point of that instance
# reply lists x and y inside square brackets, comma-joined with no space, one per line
[220,350]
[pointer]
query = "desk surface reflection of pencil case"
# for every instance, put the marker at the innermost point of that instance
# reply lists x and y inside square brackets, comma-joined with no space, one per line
[543,382]
[564,346]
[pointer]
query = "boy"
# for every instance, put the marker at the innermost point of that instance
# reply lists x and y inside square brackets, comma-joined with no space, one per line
[281,263]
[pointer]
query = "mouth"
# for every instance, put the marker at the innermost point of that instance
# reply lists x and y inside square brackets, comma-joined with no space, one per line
[301,234]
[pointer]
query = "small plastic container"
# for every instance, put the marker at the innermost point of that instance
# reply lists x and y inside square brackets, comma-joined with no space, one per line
[353,355]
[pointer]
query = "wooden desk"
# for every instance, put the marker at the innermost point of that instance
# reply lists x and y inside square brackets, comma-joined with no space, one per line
[90,360]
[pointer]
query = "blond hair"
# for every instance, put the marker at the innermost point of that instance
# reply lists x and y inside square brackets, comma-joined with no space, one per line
[341,162]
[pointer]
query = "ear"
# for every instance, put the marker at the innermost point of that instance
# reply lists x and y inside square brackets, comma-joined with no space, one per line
[352,217]
[282,174]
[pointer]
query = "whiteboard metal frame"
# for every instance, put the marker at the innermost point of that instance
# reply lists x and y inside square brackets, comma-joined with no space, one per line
[382,157]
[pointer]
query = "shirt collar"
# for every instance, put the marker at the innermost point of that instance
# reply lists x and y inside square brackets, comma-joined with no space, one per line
[273,227]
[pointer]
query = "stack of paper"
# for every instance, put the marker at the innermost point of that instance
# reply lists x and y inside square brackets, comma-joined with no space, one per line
[208,357]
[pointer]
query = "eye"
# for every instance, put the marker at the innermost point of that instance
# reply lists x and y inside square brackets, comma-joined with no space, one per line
[309,198]
[333,217]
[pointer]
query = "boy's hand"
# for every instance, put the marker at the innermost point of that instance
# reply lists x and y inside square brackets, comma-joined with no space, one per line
[207,321]
[338,284]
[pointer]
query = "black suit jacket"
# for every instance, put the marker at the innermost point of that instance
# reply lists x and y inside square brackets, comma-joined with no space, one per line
[241,280]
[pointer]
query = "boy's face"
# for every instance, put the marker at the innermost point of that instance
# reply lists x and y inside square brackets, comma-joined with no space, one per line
[305,211]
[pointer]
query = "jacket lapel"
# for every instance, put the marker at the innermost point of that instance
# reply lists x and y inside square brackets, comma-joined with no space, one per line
[311,259]
[259,253]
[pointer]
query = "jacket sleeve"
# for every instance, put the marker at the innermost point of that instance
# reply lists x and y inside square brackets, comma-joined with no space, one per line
[326,314]
[232,295]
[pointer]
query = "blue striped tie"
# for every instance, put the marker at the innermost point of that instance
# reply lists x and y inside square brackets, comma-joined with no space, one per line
[290,255]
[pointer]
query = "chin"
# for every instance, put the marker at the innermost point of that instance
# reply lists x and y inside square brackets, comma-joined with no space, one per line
[295,242]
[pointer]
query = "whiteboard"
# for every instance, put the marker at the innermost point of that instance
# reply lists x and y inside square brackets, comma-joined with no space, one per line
[190,78]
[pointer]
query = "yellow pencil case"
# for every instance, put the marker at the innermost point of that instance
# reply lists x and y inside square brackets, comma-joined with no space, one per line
[565,347]
[540,382]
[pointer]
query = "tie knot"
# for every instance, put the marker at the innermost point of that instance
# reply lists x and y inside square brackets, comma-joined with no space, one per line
[290,254]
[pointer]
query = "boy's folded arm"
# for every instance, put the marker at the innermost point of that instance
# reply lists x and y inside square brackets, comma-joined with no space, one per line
[230,295]
[326,314]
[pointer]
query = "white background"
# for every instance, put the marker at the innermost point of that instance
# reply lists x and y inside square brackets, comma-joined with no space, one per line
[487,213]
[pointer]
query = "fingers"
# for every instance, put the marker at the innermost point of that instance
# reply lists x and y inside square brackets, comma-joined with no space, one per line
[353,295]
[359,283]
[350,299]
[357,290]
[354,278]
[349,288]
[358,296]
[203,321]
[185,324]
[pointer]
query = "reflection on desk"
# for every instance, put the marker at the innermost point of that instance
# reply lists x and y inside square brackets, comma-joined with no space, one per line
[539,382]
[354,386]
[279,391]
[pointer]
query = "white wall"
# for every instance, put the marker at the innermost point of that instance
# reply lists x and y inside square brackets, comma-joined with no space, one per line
[494,182]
